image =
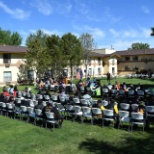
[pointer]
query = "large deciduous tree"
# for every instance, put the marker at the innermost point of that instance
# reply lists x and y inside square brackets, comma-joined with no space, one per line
[72,50]
[8,38]
[58,62]
[136,46]
[37,56]
[88,45]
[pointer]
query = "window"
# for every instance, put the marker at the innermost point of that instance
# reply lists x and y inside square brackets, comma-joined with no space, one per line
[90,71]
[99,61]
[99,71]
[127,58]
[135,68]
[135,58]
[113,61]
[113,70]
[7,76]
[6,58]
[127,68]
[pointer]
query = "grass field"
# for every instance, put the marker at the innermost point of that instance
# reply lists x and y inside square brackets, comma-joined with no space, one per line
[20,137]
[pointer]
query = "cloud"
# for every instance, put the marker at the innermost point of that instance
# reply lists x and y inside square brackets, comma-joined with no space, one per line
[25,34]
[16,13]
[63,8]
[81,7]
[118,44]
[114,32]
[129,33]
[48,7]
[125,44]
[94,18]
[43,6]
[145,9]
[146,32]
[76,34]
[139,32]
[49,32]
[68,8]
[125,38]
[108,16]
[96,32]
[122,44]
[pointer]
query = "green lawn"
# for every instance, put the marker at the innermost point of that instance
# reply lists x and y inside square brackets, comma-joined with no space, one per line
[135,81]
[21,88]
[19,137]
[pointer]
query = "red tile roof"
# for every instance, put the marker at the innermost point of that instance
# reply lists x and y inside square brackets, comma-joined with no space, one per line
[11,48]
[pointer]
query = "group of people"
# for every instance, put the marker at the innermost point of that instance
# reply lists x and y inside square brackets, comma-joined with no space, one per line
[8,96]
[92,87]
[82,89]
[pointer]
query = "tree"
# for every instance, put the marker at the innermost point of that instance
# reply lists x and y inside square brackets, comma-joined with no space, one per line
[40,35]
[72,50]
[152,34]
[88,45]
[57,58]
[15,39]
[136,46]
[10,39]
[37,56]
[5,37]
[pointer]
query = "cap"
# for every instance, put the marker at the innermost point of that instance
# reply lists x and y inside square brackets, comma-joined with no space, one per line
[115,103]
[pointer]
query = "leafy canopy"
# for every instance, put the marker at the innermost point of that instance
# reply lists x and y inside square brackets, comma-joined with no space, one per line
[37,56]
[52,52]
[8,38]
[72,50]
[136,46]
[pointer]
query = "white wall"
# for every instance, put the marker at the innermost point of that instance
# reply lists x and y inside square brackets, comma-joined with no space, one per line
[16,61]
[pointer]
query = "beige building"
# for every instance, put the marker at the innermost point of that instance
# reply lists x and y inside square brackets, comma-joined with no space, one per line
[130,61]
[101,62]
[11,57]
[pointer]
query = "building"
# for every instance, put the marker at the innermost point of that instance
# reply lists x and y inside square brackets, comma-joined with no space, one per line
[101,62]
[11,57]
[131,61]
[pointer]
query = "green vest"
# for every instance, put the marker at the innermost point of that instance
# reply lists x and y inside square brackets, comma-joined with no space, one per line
[98,92]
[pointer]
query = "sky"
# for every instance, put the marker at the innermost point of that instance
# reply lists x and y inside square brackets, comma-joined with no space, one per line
[112,23]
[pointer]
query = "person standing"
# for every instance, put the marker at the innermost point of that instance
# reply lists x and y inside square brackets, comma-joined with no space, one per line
[81,74]
[108,77]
